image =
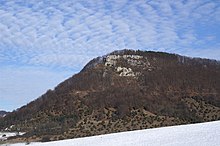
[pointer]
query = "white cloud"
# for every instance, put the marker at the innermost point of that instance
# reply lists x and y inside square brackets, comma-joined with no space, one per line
[93,27]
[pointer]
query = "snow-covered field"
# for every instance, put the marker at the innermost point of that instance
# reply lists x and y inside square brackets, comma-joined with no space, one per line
[204,134]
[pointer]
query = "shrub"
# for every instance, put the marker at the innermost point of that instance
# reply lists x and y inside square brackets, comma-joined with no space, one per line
[45,139]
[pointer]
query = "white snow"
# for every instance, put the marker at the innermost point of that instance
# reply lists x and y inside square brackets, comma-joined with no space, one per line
[203,134]
[5,135]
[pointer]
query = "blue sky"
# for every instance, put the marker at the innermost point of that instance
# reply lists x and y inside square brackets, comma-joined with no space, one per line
[43,42]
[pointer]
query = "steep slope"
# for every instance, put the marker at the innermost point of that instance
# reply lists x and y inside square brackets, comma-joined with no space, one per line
[124,90]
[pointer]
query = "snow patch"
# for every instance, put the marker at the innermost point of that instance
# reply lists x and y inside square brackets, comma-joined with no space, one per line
[5,135]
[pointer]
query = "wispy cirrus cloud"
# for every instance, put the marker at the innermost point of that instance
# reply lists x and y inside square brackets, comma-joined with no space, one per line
[66,35]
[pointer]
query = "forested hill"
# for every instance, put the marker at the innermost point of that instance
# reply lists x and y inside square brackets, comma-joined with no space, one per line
[121,91]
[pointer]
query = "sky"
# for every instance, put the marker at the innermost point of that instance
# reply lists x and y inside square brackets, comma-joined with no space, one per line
[44,42]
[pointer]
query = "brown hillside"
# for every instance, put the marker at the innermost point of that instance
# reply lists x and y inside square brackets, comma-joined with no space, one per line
[124,90]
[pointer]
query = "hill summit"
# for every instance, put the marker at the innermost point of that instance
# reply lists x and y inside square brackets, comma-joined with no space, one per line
[122,91]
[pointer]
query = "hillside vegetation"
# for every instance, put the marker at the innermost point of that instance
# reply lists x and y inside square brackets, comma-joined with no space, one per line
[122,91]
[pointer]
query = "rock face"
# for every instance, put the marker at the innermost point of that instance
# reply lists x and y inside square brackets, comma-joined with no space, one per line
[122,91]
[131,60]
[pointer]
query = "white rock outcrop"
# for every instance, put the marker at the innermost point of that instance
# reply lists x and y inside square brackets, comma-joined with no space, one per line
[133,60]
[111,60]
[125,71]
